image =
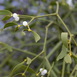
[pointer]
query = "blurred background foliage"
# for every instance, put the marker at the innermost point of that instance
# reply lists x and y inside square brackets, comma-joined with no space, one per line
[21,42]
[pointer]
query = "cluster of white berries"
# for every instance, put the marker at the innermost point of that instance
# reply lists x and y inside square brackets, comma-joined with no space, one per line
[43,71]
[16,17]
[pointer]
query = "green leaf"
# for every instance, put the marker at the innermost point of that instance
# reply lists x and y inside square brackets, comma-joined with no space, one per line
[36,36]
[10,24]
[28,60]
[64,37]
[68,59]
[20,68]
[6,18]
[5,12]
[62,53]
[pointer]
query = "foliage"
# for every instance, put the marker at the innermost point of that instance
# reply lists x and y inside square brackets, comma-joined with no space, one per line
[55,43]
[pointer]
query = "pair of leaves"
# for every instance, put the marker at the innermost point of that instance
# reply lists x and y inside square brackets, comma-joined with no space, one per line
[8,16]
[64,38]
[6,13]
[19,68]
[63,53]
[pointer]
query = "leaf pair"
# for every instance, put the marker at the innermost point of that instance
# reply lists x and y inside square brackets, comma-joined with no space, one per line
[64,53]
[6,13]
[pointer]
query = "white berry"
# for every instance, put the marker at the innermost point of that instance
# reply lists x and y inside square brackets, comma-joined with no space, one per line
[25,23]
[15,15]
[16,18]
[43,71]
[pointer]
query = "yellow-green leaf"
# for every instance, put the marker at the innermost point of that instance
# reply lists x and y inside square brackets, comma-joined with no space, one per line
[10,24]
[68,59]
[28,60]
[64,38]
[36,36]
[5,12]
[62,53]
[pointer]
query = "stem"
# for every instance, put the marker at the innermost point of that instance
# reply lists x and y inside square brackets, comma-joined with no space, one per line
[57,7]
[45,40]
[30,22]
[5,60]
[33,60]
[39,44]
[73,70]
[45,15]
[37,56]
[63,68]
[66,28]
[25,51]
[73,20]
[27,68]
[75,74]
[25,16]
[48,65]
[49,72]
[64,24]
[68,68]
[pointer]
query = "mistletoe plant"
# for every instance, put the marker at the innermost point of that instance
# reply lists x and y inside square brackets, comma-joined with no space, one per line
[65,62]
